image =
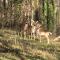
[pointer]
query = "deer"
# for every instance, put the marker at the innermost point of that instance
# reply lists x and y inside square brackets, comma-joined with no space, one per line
[40,32]
[27,30]
[34,26]
[33,29]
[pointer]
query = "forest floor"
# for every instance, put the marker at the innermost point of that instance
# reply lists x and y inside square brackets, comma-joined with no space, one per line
[14,47]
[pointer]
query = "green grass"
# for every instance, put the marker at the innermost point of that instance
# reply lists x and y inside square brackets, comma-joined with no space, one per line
[14,47]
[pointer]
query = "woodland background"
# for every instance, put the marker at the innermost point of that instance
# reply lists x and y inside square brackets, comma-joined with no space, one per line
[14,14]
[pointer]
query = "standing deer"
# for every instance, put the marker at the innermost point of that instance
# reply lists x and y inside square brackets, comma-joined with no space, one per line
[34,28]
[40,32]
[45,34]
[27,29]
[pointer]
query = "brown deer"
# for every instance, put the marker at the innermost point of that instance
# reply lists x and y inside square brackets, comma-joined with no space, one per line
[34,26]
[27,29]
[40,32]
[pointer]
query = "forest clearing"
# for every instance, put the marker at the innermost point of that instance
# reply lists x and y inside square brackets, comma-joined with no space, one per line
[29,29]
[14,47]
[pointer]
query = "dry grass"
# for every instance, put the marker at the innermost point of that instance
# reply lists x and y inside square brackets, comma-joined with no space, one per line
[14,47]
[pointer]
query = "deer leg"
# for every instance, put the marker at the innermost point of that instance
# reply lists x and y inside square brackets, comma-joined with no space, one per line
[47,39]
[40,38]
[21,35]
[24,35]
[31,35]
[34,36]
